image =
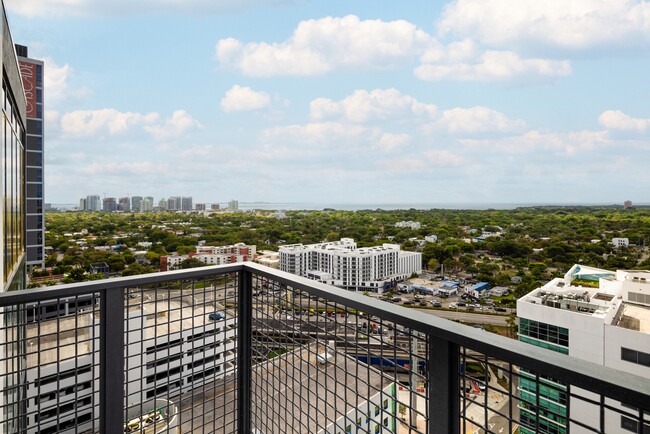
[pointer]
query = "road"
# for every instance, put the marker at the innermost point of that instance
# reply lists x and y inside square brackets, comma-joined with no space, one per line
[477,318]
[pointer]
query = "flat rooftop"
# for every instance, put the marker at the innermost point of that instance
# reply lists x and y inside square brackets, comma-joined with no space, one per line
[305,395]
[635,317]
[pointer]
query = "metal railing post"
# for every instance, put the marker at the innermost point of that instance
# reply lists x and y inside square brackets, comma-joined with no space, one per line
[111,365]
[443,387]
[244,351]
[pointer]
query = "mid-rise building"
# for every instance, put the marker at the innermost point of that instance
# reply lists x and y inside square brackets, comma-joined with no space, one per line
[31,71]
[109,204]
[135,203]
[211,255]
[233,205]
[174,203]
[186,203]
[186,339]
[147,204]
[93,203]
[215,207]
[342,264]
[200,207]
[595,315]
[162,204]
[124,204]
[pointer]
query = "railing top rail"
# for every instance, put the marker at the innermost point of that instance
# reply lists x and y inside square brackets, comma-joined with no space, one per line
[83,288]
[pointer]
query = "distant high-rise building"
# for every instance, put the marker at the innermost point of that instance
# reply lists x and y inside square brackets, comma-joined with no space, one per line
[147,204]
[31,71]
[627,204]
[215,207]
[135,202]
[124,204]
[200,207]
[233,205]
[162,204]
[93,203]
[174,203]
[110,204]
[186,203]
[82,204]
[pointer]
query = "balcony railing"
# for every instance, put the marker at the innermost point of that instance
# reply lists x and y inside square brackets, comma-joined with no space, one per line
[245,348]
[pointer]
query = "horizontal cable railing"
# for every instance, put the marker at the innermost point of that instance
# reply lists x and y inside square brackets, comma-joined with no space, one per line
[245,348]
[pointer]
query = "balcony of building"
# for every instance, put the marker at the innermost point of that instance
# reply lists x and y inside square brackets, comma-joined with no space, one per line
[249,349]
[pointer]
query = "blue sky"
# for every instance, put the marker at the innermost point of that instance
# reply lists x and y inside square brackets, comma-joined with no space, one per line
[466,101]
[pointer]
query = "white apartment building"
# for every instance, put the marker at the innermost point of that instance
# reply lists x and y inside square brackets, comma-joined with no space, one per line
[342,264]
[408,224]
[608,324]
[620,242]
[212,255]
[171,348]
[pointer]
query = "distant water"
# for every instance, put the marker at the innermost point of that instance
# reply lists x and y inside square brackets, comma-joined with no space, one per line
[315,206]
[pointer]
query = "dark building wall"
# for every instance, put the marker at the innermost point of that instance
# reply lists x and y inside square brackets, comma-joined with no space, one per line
[32,76]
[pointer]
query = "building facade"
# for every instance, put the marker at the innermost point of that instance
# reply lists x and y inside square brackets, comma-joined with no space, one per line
[93,203]
[109,204]
[124,204]
[31,71]
[607,324]
[342,264]
[12,230]
[160,350]
[211,255]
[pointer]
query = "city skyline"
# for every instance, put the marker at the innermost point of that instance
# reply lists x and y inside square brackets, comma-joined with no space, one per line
[290,101]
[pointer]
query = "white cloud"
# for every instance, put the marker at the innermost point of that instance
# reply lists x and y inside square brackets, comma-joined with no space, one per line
[578,24]
[389,142]
[239,98]
[474,120]
[332,134]
[363,106]
[59,8]
[56,81]
[490,65]
[318,46]
[617,120]
[434,159]
[179,123]
[121,168]
[568,144]
[111,122]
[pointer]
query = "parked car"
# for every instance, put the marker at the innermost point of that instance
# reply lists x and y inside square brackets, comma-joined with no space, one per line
[500,309]
[215,316]
[453,306]
[435,303]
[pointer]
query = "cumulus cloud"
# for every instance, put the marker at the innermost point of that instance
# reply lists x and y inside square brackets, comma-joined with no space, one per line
[474,120]
[580,24]
[239,98]
[426,161]
[568,144]
[318,46]
[59,8]
[124,168]
[57,82]
[389,142]
[333,134]
[111,122]
[617,120]
[179,123]
[363,106]
[490,65]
